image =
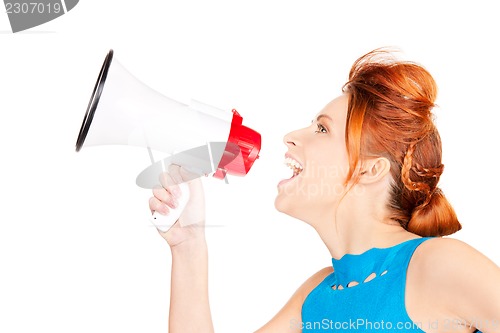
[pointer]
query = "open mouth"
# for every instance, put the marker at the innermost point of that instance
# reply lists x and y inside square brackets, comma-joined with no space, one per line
[294,165]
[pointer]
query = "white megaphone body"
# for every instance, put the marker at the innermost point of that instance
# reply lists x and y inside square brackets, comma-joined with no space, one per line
[124,111]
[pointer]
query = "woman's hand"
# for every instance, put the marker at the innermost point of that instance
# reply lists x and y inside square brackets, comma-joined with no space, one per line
[189,306]
[189,227]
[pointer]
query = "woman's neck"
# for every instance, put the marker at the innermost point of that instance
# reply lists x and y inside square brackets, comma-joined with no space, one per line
[354,230]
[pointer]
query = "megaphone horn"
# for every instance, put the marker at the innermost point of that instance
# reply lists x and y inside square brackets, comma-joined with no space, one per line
[124,111]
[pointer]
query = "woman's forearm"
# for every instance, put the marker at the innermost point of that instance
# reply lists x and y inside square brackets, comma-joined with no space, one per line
[189,304]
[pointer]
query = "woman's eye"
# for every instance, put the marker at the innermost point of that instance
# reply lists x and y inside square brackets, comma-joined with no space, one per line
[321,129]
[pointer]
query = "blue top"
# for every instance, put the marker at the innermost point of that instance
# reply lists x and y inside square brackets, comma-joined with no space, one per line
[338,304]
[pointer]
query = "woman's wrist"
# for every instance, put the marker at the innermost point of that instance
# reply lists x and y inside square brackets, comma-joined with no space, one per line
[179,237]
[197,244]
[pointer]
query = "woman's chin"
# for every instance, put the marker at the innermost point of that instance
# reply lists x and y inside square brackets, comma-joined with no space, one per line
[284,205]
[280,203]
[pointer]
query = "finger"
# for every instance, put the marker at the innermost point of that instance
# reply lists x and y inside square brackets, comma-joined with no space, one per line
[165,197]
[168,183]
[174,171]
[158,206]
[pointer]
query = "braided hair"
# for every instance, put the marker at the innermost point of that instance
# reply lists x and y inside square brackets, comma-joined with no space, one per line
[389,115]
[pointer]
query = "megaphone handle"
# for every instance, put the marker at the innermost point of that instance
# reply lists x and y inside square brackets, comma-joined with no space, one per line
[164,222]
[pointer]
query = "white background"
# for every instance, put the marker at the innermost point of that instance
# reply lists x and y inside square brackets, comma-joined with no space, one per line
[77,253]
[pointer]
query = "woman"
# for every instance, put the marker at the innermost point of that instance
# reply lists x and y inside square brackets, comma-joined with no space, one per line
[365,176]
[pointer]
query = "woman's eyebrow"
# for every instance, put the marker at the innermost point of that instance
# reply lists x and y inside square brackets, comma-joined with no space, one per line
[324,116]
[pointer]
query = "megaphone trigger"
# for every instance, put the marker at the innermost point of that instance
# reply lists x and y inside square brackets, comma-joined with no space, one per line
[165,222]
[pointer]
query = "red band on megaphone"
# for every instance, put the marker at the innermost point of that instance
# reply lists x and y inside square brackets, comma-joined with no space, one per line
[242,149]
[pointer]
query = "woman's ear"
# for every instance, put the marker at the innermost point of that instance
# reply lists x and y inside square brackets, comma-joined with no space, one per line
[374,169]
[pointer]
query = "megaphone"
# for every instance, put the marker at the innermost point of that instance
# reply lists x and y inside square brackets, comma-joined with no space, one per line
[205,140]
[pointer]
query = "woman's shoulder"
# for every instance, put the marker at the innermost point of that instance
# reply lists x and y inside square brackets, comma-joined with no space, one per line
[442,257]
[447,253]
[289,314]
[314,280]
[449,276]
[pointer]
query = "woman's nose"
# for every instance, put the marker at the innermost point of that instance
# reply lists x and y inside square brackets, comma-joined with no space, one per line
[290,139]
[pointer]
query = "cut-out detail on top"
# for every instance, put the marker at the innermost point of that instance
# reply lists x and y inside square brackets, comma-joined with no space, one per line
[352,284]
[370,277]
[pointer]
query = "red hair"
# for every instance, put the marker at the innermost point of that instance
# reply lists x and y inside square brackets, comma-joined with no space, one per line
[389,115]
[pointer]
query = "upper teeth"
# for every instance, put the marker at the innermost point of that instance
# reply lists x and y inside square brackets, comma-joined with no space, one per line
[293,164]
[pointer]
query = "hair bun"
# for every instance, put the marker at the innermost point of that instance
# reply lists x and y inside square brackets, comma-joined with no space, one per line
[389,114]
[436,217]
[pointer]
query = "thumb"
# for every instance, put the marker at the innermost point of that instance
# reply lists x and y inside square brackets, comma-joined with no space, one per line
[182,174]
[193,179]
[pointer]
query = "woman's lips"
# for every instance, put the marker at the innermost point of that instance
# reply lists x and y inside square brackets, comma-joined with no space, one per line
[294,165]
[284,181]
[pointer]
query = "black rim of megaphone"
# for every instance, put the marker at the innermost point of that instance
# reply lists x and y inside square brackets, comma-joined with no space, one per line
[94,100]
